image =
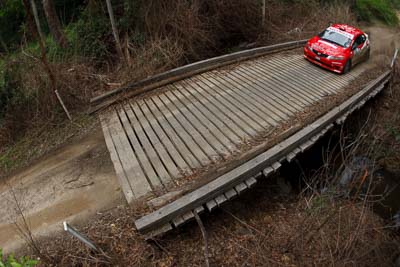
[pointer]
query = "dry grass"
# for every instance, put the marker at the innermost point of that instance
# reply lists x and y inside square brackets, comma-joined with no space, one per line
[35,122]
[35,104]
[302,19]
[180,32]
[384,126]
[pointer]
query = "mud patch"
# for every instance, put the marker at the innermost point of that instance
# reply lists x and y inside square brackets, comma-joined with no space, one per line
[72,184]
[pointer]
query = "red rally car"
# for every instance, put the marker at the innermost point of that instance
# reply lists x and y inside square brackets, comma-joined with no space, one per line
[338,48]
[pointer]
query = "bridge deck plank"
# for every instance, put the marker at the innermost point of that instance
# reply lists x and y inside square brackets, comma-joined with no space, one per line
[182,133]
[217,125]
[257,108]
[145,161]
[233,122]
[209,123]
[285,91]
[164,139]
[167,165]
[189,127]
[280,91]
[222,102]
[199,125]
[180,146]
[134,173]
[239,101]
[119,169]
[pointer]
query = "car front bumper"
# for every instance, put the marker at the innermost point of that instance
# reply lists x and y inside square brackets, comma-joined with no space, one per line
[332,65]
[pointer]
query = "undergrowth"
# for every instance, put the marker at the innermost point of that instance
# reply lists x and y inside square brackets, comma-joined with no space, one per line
[41,140]
[11,261]
[383,10]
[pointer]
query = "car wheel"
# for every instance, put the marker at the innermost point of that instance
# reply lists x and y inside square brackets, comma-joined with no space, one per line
[347,67]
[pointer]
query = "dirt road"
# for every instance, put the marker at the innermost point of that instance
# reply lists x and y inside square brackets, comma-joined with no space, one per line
[71,183]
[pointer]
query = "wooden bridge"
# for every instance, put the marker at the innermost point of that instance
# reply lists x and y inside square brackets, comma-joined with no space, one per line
[205,132]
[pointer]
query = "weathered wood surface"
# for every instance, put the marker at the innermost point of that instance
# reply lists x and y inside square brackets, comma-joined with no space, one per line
[210,194]
[206,119]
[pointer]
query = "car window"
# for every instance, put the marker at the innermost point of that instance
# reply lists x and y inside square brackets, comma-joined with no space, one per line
[359,40]
[335,37]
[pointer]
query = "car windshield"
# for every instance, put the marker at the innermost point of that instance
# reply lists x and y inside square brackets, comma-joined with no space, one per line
[335,37]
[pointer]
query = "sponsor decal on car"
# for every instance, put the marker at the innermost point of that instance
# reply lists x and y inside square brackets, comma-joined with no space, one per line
[349,35]
[329,44]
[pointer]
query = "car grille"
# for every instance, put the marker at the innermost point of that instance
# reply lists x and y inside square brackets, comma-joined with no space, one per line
[319,53]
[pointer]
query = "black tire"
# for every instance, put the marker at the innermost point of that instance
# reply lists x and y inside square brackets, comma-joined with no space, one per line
[347,67]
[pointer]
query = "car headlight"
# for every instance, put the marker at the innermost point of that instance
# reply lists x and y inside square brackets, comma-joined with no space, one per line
[335,58]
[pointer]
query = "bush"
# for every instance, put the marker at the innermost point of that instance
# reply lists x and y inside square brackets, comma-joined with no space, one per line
[395,3]
[91,35]
[11,20]
[11,261]
[383,10]
[8,86]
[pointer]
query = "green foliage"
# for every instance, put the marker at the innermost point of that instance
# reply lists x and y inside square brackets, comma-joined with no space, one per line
[13,94]
[11,261]
[383,10]
[90,36]
[8,87]
[11,19]
[319,203]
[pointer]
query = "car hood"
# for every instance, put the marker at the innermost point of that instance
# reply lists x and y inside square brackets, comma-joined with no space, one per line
[326,47]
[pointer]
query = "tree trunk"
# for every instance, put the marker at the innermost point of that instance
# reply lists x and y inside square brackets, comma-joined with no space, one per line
[43,58]
[114,29]
[263,12]
[54,23]
[37,21]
